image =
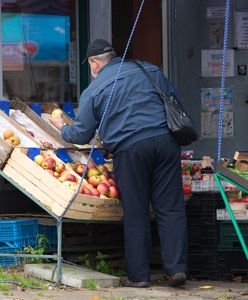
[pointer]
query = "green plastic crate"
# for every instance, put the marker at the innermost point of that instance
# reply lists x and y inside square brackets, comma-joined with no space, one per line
[228,236]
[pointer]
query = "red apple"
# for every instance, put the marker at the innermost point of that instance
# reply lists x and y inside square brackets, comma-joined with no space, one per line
[91,164]
[95,192]
[39,159]
[89,186]
[70,177]
[56,175]
[111,181]
[94,180]
[92,172]
[113,191]
[103,188]
[106,181]
[80,168]
[60,167]
[107,174]
[87,191]
[30,132]
[65,172]
[47,145]
[49,163]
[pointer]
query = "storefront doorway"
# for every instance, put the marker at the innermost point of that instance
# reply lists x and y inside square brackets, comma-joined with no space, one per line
[147,40]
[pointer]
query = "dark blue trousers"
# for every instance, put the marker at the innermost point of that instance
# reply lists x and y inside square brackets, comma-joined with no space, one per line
[149,173]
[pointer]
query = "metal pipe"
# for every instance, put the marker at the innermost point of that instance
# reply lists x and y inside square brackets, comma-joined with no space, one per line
[59,252]
[53,256]
[217,178]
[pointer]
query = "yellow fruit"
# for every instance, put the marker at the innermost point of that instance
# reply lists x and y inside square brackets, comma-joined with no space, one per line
[7,134]
[13,140]
[57,112]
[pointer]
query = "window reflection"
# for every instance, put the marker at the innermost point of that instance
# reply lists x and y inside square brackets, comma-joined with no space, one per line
[39,50]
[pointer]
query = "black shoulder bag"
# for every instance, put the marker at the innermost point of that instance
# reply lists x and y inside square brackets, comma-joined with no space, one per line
[179,123]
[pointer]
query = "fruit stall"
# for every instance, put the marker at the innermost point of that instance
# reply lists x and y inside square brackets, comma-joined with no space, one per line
[36,160]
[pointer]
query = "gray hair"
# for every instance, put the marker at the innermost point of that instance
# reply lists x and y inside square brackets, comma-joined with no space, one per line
[106,57]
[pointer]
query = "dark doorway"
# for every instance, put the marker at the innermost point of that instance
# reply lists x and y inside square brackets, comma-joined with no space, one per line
[147,40]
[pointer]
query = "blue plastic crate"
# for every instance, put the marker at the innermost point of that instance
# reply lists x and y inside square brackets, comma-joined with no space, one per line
[9,261]
[18,233]
[50,231]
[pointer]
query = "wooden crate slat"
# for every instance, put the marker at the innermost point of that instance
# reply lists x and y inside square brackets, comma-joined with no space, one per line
[78,215]
[44,187]
[33,190]
[27,164]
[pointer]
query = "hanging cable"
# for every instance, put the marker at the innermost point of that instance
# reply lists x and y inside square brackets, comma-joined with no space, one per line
[105,110]
[223,77]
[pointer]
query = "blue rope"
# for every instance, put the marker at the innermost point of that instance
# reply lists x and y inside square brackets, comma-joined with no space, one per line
[223,76]
[105,110]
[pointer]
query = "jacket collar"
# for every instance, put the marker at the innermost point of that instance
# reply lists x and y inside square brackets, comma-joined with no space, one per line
[112,62]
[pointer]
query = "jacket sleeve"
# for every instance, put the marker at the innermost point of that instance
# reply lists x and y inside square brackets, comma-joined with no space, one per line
[85,123]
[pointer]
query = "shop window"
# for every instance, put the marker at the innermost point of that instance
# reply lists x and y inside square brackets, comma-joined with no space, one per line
[39,50]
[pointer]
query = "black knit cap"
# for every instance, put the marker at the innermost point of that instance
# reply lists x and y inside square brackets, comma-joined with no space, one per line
[98,47]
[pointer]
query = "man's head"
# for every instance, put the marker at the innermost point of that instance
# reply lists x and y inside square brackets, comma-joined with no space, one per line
[99,53]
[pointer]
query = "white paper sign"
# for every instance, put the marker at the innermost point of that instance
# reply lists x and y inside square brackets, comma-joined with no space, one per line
[211,63]
[215,12]
[241,30]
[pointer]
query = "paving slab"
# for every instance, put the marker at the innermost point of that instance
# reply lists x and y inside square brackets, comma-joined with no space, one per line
[73,276]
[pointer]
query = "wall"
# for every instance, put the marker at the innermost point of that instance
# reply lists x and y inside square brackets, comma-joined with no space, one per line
[190,34]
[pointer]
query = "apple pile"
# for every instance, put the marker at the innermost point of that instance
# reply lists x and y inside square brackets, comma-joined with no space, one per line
[57,169]
[11,138]
[100,181]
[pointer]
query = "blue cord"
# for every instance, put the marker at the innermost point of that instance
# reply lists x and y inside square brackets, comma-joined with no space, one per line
[223,76]
[105,110]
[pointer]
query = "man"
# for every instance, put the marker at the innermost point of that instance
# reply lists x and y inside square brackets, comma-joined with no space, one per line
[147,165]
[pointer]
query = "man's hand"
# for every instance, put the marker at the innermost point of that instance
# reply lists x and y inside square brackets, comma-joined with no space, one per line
[57,121]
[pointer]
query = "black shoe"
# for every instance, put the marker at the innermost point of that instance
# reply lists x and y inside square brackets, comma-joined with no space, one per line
[136,284]
[176,279]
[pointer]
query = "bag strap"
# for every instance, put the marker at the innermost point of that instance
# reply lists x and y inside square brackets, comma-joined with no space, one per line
[162,95]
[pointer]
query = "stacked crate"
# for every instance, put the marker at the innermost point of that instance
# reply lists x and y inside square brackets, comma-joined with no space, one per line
[14,235]
[203,235]
[232,259]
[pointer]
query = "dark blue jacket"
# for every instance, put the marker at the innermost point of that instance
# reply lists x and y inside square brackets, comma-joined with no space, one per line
[135,112]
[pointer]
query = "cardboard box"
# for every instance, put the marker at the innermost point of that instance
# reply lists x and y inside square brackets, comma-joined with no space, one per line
[54,195]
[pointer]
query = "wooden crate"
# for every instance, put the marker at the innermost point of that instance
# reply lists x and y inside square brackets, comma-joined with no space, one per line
[5,151]
[48,108]
[54,195]
[46,129]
